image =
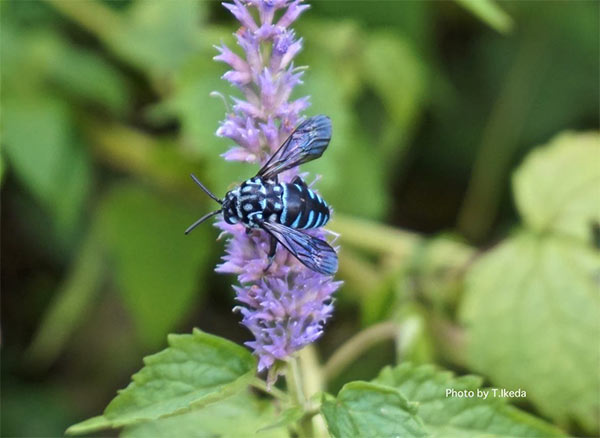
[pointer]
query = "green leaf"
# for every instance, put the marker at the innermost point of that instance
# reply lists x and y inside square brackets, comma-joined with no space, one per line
[71,304]
[88,77]
[155,37]
[398,77]
[489,12]
[54,63]
[415,338]
[88,426]
[36,159]
[26,57]
[47,157]
[287,417]
[194,371]
[157,267]
[146,156]
[350,152]
[234,417]
[330,42]
[2,169]
[19,399]
[557,187]
[531,310]
[371,410]
[158,37]
[191,101]
[411,19]
[453,416]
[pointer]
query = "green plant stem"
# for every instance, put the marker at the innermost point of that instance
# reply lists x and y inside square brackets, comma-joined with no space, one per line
[72,303]
[313,384]
[140,154]
[272,391]
[450,341]
[296,389]
[489,13]
[357,345]
[500,139]
[360,274]
[312,374]
[374,237]
[378,238]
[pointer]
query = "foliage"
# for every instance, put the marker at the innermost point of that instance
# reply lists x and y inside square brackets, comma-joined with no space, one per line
[436,109]
[460,417]
[195,370]
[139,259]
[567,206]
[362,408]
[539,286]
[243,411]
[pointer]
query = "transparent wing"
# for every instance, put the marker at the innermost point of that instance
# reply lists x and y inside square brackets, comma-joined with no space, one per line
[306,143]
[315,254]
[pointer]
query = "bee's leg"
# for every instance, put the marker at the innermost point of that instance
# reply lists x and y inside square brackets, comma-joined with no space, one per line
[271,255]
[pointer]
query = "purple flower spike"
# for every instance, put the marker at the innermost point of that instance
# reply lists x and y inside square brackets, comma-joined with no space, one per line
[286,306]
[285,313]
[293,12]
[240,12]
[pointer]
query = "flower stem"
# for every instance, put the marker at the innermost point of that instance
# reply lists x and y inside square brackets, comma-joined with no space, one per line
[312,379]
[296,390]
[357,345]
[273,391]
[501,137]
[374,237]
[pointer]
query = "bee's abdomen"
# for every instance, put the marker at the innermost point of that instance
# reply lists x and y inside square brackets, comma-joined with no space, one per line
[302,208]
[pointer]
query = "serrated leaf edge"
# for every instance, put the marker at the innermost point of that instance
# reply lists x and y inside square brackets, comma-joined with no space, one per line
[172,339]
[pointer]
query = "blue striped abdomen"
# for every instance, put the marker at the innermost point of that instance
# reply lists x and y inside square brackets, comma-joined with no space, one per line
[303,208]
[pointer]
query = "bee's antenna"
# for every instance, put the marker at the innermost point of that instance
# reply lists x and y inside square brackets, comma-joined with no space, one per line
[208,192]
[202,219]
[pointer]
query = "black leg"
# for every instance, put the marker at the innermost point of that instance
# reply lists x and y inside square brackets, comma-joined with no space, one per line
[272,250]
[248,230]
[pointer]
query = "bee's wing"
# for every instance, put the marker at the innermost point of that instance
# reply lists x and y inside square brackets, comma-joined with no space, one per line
[308,142]
[315,254]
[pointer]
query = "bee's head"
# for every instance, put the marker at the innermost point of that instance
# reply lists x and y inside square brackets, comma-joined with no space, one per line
[229,206]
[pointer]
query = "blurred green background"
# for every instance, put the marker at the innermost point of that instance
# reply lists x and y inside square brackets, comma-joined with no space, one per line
[106,112]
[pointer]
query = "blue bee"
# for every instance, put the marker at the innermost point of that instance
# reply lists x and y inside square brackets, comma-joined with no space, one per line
[282,209]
